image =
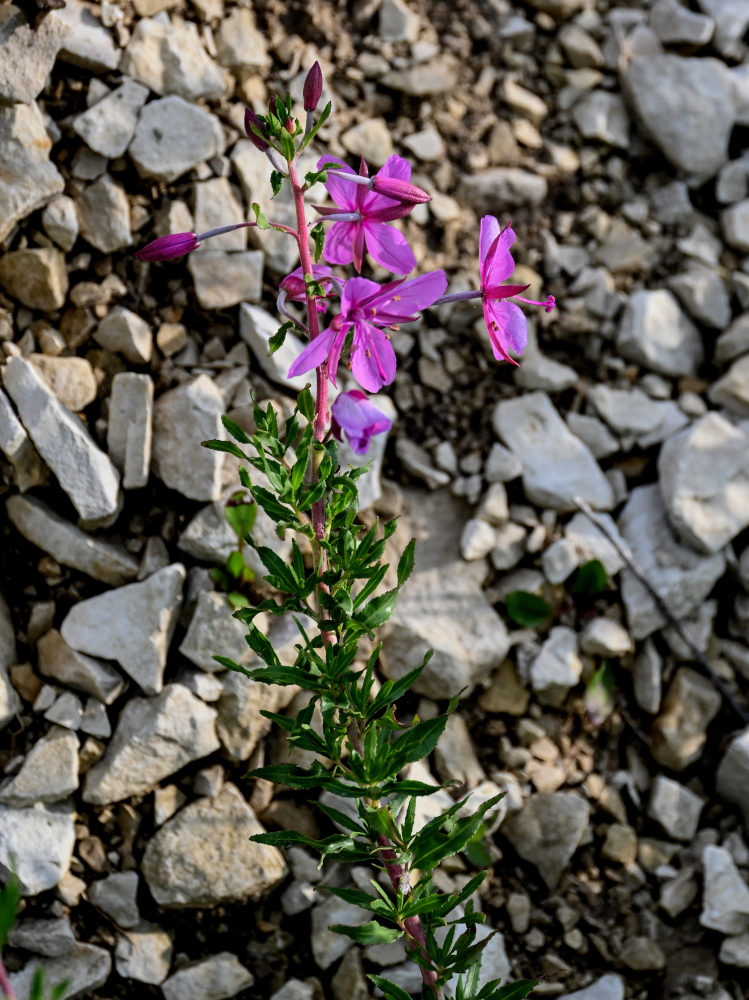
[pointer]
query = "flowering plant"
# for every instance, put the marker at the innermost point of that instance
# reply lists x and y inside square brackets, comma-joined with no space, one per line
[361,745]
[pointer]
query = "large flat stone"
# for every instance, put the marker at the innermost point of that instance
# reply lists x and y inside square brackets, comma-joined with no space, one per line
[173,136]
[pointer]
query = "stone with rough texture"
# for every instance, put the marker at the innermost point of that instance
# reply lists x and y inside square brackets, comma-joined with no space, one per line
[732,779]
[557,466]
[608,987]
[735,951]
[547,831]
[256,327]
[89,44]
[437,76]
[108,126]
[606,637]
[52,937]
[603,116]
[704,482]
[28,468]
[680,575]
[504,187]
[154,738]
[104,215]
[216,204]
[686,107]
[657,333]
[327,945]
[30,180]
[725,900]
[240,46]
[675,24]
[678,734]
[183,417]
[130,427]
[37,842]
[214,978]
[675,807]
[116,895]
[60,221]
[557,667]
[703,294]
[132,625]
[82,469]
[224,279]
[124,332]
[212,631]
[29,53]
[70,546]
[36,277]
[170,59]
[84,969]
[732,390]
[734,221]
[71,379]
[203,856]
[173,136]
[731,19]
[49,772]
[144,953]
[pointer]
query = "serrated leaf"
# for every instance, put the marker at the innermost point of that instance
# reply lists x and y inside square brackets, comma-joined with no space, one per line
[527,610]
[371,933]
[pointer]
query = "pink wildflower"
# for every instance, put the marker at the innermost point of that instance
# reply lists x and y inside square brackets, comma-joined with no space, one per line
[358,418]
[169,247]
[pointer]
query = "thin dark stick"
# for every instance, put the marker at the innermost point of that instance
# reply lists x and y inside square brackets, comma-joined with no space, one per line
[664,609]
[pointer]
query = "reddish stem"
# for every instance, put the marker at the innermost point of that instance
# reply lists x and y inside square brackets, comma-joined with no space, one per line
[313,325]
[5,983]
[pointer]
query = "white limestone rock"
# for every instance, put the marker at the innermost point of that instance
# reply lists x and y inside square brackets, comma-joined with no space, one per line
[132,625]
[130,427]
[214,978]
[213,631]
[732,779]
[68,544]
[82,469]
[49,772]
[657,333]
[85,968]
[28,468]
[116,895]
[144,953]
[36,277]
[725,899]
[548,830]
[154,738]
[108,126]
[675,807]
[216,204]
[557,668]
[124,332]
[29,53]
[203,856]
[224,279]
[30,180]
[173,136]
[183,417]
[37,842]
[88,44]
[170,59]
[557,466]
[61,663]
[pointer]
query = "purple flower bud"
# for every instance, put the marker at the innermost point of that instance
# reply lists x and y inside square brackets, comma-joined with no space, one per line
[312,87]
[400,190]
[169,247]
[358,418]
[251,121]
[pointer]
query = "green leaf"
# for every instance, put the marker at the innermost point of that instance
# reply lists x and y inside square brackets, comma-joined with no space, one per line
[241,516]
[406,562]
[511,991]
[318,236]
[262,222]
[227,446]
[235,564]
[306,403]
[600,694]
[391,991]
[9,900]
[347,822]
[378,611]
[590,579]
[417,742]
[276,341]
[276,181]
[371,933]
[526,609]
[235,430]
[275,510]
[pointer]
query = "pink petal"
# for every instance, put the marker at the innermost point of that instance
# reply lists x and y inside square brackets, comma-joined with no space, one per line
[335,352]
[313,354]
[339,242]
[401,300]
[372,358]
[343,193]
[357,291]
[389,248]
[496,263]
[508,328]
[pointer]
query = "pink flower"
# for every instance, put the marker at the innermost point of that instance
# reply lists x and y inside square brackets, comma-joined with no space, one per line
[358,418]
[312,87]
[293,284]
[369,309]
[506,322]
[345,241]
[169,247]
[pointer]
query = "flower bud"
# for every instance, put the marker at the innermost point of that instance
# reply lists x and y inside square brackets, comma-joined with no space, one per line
[312,87]
[169,247]
[251,121]
[403,191]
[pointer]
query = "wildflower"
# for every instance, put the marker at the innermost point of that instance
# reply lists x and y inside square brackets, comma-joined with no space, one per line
[312,87]
[506,322]
[358,418]
[294,289]
[169,247]
[365,214]
[369,309]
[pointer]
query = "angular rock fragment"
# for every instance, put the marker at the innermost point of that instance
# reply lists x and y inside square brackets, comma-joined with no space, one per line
[116,895]
[84,969]
[58,661]
[678,734]
[71,379]
[15,444]
[132,625]
[49,772]
[124,332]
[181,873]
[676,807]
[213,978]
[82,469]
[172,136]
[108,126]
[732,390]
[154,738]
[183,417]
[547,831]
[88,44]
[725,900]
[212,631]
[68,544]
[37,842]
[144,953]
[29,178]
[655,332]
[170,59]
[130,427]
[732,780]
[225,279]
[104,215]
[37,277]
[29,53]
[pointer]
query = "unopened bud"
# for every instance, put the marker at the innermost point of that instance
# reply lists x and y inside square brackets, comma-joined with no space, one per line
[251,121]
[169,247]
[403,191]
[312,87]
